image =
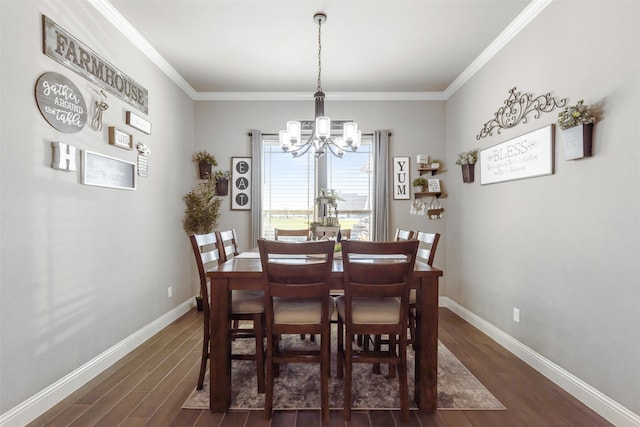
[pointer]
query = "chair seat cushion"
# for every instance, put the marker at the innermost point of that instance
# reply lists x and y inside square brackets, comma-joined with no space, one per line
[247,302]
[300,311]
[373,311]
[412,296]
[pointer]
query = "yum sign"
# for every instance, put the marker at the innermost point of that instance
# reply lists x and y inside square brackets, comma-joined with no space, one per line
[401,178]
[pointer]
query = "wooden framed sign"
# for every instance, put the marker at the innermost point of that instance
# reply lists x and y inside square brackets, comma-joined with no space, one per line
[241,183]
[61,103]
[120,139]
[526,156]
[401,178]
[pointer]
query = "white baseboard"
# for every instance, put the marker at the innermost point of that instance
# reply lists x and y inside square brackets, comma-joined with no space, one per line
[42,401]
[612,411]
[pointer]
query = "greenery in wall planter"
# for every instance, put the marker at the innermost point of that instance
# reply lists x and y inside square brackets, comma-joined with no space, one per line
[205,161]
[576,124]
[202,208]
[466,160]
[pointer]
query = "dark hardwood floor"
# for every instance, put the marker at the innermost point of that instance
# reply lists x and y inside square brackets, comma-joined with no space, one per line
[149,385]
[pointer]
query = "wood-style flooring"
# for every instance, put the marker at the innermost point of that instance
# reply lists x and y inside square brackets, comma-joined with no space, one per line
[149,385]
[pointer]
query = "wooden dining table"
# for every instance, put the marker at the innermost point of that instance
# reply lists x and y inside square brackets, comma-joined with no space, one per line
[245,272]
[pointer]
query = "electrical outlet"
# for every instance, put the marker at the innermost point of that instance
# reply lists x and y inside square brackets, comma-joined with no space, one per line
[516,315]
[169,292]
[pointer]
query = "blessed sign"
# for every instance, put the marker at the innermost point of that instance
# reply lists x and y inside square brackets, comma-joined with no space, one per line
[70,52]
[61,103]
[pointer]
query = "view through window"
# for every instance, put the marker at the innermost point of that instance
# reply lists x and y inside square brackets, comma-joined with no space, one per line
[289,188]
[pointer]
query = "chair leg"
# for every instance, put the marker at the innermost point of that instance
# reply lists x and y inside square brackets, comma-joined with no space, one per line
[325,370]
[340,351]
[347,378]
[205,348]
[392,350]
[268,394]
[377,345]
[412,327]
[259,331]
[404,386]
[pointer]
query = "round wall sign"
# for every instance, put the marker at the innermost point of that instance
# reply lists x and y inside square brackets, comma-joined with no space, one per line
[61,103]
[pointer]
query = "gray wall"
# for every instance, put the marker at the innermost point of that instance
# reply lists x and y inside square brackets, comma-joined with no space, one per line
[562,248]
[418,128]
[83,267]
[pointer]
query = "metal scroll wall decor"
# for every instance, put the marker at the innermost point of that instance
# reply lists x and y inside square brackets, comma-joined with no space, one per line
[516,109]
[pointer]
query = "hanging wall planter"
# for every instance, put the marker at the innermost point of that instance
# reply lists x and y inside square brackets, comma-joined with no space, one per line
[222,187]
[468,172]
[205,161]
[577,141]
[576,122]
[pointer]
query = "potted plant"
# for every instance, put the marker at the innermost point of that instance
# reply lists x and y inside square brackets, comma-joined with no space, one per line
[435,164]
[222,182]
[419,182]
[466,160]
[576,123]
[205,161]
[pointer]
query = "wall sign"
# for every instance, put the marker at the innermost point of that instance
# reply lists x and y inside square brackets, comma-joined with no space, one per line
[120,139]
[61,103]
[526,156]
[137,122]
[64,48]
[401,178]
[241,187]
[64,156]
[106,171]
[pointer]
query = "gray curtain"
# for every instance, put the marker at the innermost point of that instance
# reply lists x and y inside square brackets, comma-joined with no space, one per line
[381,185]
[256,185]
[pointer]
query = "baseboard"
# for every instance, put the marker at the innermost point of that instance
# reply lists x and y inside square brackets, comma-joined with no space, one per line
[39,403]
[607,408]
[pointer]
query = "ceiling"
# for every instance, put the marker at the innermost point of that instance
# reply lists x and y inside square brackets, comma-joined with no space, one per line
[257,48]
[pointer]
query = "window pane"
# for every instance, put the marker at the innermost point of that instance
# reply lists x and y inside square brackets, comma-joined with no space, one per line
[288,188]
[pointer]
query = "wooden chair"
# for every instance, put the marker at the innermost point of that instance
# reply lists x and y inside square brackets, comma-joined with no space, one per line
[403,235]
[426,254]
[297,301]
[301,234]
[245,305]
[228,243]
[375,301]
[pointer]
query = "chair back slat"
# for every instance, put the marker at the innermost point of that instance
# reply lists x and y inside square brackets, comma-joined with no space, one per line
[403,235]
[428,245]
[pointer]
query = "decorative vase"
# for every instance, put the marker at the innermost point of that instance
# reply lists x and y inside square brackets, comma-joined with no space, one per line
[222,187]
[467,172]
[577,141]
[205,170]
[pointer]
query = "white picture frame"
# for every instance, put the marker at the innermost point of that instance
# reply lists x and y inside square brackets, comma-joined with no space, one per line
[526,156]
[401,188]
[433,185]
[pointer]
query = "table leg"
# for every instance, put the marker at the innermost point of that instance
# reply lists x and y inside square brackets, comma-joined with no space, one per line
[220,347]
[426,374]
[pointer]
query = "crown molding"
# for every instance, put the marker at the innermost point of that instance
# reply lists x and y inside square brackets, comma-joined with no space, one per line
[521,21]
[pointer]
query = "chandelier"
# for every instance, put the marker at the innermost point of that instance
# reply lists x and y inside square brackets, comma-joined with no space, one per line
[321,138]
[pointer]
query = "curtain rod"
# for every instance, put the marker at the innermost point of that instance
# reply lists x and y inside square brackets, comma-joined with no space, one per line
[275,134]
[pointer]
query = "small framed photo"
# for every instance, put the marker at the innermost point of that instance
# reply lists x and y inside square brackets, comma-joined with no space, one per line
[433,186]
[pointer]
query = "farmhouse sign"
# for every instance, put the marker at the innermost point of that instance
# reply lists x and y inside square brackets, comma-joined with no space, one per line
[70,52]
[61,103]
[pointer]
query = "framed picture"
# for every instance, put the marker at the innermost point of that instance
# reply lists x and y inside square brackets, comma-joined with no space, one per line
[401,178]
[241,183]
[433,186]
[526,156]
[106,171]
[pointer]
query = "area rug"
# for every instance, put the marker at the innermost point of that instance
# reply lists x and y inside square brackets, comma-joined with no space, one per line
[298,386]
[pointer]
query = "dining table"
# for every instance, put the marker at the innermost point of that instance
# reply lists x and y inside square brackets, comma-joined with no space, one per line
[244,271]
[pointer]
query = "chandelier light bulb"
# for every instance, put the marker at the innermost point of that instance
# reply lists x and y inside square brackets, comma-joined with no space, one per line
[293,131]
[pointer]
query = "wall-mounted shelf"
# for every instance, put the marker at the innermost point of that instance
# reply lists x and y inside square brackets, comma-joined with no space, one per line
[427,170]
[427,194]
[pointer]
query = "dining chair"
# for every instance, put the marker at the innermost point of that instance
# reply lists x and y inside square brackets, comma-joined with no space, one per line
[377,281]
[228,243]
[245,305]
[403,235]
[299,234]
[428,243]
[297,301]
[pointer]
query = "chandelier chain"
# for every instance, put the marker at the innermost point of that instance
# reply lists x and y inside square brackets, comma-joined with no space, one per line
[319,54]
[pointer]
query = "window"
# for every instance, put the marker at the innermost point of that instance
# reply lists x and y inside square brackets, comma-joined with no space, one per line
[289,187]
